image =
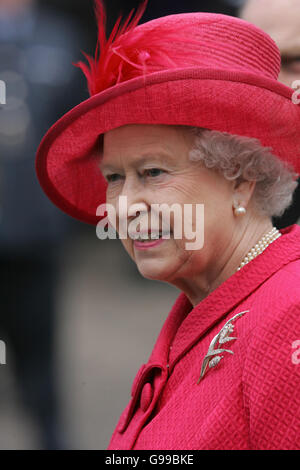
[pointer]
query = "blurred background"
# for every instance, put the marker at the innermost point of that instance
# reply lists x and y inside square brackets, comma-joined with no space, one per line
[68,300]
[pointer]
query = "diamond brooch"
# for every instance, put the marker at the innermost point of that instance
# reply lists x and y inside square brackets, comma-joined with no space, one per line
[213,357]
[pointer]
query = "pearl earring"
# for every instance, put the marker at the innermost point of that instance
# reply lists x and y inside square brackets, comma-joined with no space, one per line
[239,210]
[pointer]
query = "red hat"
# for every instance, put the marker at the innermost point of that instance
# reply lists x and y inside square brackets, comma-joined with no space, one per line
[196,69]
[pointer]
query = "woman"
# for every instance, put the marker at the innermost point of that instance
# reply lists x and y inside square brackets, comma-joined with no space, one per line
[201,122]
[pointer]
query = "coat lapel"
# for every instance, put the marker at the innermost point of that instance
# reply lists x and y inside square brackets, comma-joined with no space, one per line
[185,325]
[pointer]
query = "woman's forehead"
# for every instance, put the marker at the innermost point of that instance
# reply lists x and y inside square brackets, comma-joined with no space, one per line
[144,132]
[144,141]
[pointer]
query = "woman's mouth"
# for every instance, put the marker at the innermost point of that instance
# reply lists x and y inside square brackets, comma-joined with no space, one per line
[145,241]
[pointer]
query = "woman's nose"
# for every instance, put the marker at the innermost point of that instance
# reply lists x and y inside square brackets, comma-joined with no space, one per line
[131,202]
[133,191]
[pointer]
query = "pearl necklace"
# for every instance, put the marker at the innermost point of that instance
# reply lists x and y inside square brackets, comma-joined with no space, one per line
[260,246]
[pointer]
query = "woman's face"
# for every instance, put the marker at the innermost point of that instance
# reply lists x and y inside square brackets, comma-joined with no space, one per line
[150,164]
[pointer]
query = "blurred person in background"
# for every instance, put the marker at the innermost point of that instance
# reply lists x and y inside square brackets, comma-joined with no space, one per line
[35,46]
[281,20]
[188,109]
[158,8]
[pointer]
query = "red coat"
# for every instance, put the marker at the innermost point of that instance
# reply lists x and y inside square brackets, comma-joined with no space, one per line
[250,399]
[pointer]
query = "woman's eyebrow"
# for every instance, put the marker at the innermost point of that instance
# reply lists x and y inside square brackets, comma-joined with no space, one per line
[158,157]
[105,166]
[286,58]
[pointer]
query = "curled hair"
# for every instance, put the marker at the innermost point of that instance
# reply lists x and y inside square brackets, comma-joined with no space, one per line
[244,158]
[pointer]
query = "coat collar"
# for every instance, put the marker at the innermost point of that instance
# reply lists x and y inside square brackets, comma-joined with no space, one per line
[189,324]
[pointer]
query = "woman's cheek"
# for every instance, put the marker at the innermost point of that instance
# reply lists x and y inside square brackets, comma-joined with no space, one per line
[112,191]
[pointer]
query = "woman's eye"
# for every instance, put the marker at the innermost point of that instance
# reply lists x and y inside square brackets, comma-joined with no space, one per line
[112,178]
[291,64]
[153,172]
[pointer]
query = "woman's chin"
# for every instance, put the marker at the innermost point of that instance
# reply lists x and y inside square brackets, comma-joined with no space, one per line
[153,269]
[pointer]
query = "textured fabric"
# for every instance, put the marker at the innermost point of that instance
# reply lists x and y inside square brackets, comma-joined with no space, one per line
[250,400]
[220,73]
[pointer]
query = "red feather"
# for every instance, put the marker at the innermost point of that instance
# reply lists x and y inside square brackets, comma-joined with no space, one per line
[130,52]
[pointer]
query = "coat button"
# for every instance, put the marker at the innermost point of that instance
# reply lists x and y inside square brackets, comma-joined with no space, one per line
[146,396]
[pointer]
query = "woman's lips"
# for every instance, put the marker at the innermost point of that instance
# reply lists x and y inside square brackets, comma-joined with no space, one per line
[145,245]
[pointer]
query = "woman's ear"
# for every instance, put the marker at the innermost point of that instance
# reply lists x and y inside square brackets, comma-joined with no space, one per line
[242,192]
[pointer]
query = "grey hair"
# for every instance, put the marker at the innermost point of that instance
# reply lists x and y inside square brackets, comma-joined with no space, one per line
[244,158]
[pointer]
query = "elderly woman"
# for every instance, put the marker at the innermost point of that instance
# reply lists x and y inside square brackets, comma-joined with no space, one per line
[187,110]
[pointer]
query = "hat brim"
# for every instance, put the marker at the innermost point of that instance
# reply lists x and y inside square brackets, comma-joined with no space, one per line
[236,102]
